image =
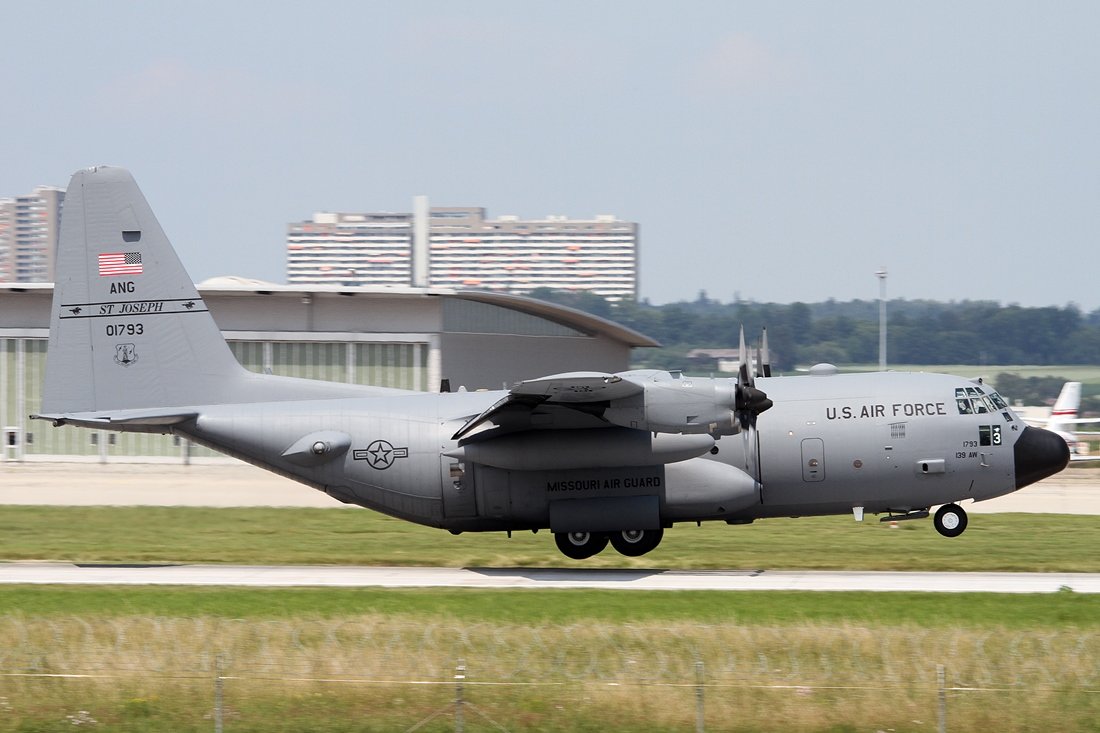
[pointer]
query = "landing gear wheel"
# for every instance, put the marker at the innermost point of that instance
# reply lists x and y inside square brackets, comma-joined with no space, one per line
[636,542]
[580,545]
[950,520]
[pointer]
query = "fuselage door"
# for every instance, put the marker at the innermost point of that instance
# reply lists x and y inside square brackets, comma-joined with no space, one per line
[813,459]
[458,489]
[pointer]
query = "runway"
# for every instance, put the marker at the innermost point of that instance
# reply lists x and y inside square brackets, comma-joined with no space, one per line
[542,578]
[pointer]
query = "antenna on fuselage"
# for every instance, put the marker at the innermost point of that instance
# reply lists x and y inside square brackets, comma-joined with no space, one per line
[765,355]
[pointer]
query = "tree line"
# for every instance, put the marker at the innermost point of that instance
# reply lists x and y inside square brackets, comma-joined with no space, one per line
[919,331]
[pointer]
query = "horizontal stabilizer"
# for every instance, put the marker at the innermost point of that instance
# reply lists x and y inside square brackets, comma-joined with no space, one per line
[151,418]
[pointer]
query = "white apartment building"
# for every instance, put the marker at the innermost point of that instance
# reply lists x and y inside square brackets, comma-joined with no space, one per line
[459,247]
[350,249]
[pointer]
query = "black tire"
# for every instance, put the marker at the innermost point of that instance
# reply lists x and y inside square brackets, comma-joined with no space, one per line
[636,542]
[580,545]
[950,520]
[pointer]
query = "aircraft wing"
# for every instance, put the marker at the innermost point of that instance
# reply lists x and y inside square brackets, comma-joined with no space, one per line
[579,387]
[578,391]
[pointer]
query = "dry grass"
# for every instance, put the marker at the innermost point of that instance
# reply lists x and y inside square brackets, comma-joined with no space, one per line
[360,671]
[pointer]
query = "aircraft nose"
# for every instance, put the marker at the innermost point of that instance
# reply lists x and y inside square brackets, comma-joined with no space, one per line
[1038,453]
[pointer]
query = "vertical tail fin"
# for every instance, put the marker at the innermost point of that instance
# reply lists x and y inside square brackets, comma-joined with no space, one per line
[128,328]
[1065,407]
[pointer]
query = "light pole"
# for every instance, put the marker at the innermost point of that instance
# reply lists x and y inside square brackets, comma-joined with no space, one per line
[881,275]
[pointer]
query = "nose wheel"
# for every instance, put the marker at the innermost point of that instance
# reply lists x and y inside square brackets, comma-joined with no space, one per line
[950,520]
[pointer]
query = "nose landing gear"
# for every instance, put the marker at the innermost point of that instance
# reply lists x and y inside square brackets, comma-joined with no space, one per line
[950,520]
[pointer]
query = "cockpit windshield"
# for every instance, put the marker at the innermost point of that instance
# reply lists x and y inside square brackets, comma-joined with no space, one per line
[976,401]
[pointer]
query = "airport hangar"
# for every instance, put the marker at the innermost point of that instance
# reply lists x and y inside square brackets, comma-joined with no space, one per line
[384,336]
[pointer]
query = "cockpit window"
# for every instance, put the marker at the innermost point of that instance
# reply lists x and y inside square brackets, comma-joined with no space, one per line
[974,401]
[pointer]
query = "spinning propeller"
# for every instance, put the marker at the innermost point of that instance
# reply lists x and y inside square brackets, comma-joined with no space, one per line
[750,400]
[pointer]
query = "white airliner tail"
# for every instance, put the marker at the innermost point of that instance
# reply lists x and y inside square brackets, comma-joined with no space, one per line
[1064,413]
[1064,421]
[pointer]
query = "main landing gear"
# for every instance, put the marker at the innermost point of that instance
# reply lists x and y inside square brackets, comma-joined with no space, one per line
[580,545]
[629,542]
[950,520]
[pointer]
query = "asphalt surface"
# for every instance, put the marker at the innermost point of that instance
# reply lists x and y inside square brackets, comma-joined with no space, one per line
[656,579]
[1074,491]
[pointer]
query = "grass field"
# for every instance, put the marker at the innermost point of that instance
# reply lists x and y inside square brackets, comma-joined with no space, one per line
[373,660]
[530,607]
[1031,542]
[334,660]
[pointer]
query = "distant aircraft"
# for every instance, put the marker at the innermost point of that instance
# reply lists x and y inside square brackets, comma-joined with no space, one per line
[593,457]
[1063,421]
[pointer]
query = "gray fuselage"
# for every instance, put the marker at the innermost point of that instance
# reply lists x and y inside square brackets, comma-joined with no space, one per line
[885,441]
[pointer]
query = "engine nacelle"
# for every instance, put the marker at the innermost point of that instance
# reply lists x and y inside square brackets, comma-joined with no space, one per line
[672,403]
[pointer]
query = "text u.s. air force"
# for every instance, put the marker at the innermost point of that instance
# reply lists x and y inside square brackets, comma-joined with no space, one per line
[877,411]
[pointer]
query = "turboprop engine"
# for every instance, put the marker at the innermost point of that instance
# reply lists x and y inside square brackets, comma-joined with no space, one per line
[650,400]
[672,403]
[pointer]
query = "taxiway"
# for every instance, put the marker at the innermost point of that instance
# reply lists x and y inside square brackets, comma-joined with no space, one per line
[541,578]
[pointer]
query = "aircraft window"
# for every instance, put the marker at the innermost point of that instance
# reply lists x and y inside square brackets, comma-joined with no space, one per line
[974,401]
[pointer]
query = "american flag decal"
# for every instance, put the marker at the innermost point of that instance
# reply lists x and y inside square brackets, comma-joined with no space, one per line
[119,263]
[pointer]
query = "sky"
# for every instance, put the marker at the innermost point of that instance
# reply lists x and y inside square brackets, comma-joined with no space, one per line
[776,152]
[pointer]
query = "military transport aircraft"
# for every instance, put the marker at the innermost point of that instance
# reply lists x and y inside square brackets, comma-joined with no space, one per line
[593,457]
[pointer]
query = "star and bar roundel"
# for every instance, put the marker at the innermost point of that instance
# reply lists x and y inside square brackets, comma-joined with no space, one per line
[380,454]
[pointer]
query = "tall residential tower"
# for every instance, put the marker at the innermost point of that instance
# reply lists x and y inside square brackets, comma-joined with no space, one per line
[29,226]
